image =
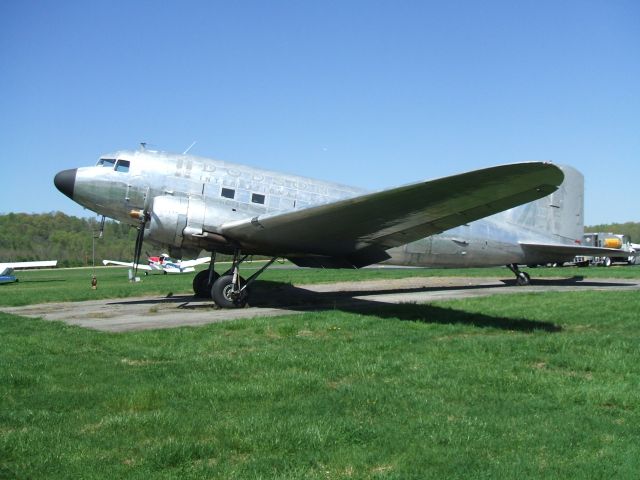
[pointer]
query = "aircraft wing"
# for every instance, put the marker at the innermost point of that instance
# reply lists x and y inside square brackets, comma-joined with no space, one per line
[128,264]
[19,265]
[193,263]
[357,231]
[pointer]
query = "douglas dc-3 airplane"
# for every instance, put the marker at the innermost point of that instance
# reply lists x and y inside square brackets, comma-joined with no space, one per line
[185,203]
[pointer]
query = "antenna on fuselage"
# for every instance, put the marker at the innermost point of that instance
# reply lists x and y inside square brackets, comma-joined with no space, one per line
[190,147]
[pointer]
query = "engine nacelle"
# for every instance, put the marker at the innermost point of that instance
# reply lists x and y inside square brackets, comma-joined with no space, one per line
[168,219]
[183,223]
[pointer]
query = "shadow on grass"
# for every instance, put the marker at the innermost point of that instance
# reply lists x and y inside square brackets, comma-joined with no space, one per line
[44,280]
[417,312]
[425,313]
[286,297]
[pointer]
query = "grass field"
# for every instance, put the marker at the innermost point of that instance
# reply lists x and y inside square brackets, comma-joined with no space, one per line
[540,385]
[40,286]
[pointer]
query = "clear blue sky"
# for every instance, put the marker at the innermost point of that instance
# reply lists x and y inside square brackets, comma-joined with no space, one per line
[369,93]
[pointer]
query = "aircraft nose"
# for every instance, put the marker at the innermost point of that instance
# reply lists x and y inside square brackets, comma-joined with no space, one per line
[65,181]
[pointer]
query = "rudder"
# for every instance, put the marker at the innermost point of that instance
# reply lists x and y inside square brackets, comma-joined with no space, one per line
[560,214]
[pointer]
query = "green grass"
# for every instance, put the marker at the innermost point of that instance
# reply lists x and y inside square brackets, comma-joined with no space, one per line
[529,386]
[40,286]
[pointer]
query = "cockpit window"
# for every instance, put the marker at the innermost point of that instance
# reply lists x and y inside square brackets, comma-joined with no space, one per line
[106,162]
[122,166]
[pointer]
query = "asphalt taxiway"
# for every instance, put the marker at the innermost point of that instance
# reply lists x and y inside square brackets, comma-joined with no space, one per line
[273,299]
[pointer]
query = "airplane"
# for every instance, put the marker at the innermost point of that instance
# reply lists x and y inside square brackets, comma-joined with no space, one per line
[516,214]
[163,263]
[6,269]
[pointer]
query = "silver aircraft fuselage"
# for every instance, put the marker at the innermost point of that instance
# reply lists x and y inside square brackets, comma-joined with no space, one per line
[219,192]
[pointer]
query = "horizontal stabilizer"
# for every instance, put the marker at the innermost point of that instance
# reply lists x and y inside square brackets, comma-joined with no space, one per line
[558,251]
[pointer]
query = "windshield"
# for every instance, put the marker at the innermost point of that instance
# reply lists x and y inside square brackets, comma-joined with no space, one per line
[122,166]
[106,162]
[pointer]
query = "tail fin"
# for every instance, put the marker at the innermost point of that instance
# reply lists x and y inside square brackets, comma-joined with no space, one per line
[560,214]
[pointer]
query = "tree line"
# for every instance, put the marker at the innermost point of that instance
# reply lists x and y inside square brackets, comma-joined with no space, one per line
[57,236]
[71,240]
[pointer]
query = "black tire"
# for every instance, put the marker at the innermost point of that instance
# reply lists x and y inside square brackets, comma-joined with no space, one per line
[523,279]
[221,292]
[201,287]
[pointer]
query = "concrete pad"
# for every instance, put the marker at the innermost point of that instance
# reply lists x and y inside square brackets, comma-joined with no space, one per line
[273,299]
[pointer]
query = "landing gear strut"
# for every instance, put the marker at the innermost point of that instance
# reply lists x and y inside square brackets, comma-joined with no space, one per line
[228,290]
[522,278]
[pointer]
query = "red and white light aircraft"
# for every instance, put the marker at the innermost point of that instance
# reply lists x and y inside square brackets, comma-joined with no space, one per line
[163,263]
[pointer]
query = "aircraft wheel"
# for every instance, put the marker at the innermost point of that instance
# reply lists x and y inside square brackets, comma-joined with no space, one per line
[222,293]
[523,279]
[201,287]
[607,261]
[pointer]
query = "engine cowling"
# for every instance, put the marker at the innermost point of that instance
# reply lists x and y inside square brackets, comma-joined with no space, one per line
[183,223]
[167,220]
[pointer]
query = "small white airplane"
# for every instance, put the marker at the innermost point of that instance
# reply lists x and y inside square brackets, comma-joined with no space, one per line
[6,269]
[163,263]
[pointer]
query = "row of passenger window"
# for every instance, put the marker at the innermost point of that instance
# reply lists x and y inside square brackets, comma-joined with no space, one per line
[277,185]
[231,193]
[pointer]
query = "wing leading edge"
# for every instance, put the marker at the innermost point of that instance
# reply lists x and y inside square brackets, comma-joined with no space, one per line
[357,232]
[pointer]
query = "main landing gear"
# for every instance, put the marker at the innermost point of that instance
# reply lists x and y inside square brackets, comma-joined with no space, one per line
[228,290]
[522,278]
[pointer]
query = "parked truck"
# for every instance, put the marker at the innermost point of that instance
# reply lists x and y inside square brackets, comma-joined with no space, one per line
[608,240]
